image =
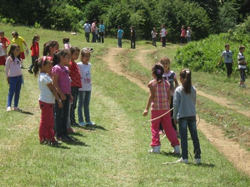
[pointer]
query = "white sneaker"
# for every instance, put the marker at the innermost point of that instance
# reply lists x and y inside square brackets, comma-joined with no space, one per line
[243,86]
[198,160]
[181,160]
[155,149]
[82,124]
[90,123]
[176,150]
[8,108]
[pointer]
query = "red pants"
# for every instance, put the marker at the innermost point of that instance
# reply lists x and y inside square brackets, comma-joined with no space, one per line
[46,131]
[22,56]
[167,126]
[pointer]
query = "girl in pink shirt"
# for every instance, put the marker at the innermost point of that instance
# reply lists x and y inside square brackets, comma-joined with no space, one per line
[159,99]
[14,75]
[61,81]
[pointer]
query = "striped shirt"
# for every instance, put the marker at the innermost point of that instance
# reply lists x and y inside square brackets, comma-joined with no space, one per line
[160,101]
[240,59]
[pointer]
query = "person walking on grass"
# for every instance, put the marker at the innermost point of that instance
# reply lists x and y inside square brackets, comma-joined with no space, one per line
[159,99]
[61,81]
[132,37]
[163,35]
[185,114]
[93,28]
[48,94]
[101,31]
[154,36]
[85,91]
[5,41]
[120,33]
[19,41]
[14,75]
[87,29]
[242,65]
[34,52]
[228,59]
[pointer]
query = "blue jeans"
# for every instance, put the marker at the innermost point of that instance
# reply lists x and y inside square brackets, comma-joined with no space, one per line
[33,58]
[84,99]
[74,92]
[93,37]
[189,122]
[87,36]
[15,88]
[120,42]
[61,117]
[242,75]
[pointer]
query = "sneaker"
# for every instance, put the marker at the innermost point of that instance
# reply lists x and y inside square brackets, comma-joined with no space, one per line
[55,143]
[176,150]
[181,160]
[30,71]
[243,86]
[155,149]
[70,138]
[82,124]
[16,109]
[44,142]
[198,160]
[90,123]
[70,130]
[74,124]
[8,108]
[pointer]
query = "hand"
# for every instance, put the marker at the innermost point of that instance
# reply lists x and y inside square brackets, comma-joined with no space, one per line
[175,121]
[145,113]
[218,64]
[63,97]
[60,105]
[71,99]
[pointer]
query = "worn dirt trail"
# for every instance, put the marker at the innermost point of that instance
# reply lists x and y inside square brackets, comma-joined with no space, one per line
[232,151]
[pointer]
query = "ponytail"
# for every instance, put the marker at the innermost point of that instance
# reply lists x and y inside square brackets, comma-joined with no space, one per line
[39,62]
[187,83]
[46,46]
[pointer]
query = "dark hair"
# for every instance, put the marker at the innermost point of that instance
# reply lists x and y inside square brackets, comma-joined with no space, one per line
[85,51]
[1,32]
[34,39]
[241,47]
[46,46]
[165,59]
[73,49]
[226,45]
[65,40]
[185,74]
[15,33]
[39,62]
[158,71]
[12,48]
[61,53]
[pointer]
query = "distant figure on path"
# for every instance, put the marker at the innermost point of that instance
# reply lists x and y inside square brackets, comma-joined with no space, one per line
[183,34]
[101,31]
[228,59]
[154,34]
[188,34]
[163,35]
[87,29]
[132,37]
[120,33]
[93,28]
[242,65]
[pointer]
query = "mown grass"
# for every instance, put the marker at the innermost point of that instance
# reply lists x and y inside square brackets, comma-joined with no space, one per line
[114,153]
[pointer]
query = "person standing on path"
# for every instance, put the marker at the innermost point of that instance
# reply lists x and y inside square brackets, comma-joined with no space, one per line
[163,35]
[120,33]
[154,34]
[228,59]
[132,37]
[87,29]
[93,28]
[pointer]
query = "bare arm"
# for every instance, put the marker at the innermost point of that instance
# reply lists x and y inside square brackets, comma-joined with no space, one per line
[53,90]
[220,60]
[59,91]
[150,99]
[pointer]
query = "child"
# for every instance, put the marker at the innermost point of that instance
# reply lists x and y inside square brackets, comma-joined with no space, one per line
[75,84]
[61,81]
[154,34]
[85,91]
[120,33]
[184,114]
[242,65]
[19,41]
[2,54]
[87,29]
[228,59]
[35,52]
[4,40]
[183,34]
[14,75]
[188,34]
[46,101]
[159,99]
[132,37]
[101,31]
[50,48]
[170,76]
[163,35]
[66,43]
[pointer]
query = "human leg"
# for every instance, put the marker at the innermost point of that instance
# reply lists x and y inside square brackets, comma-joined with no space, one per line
[86,105]
[155,139]
[229,69]
[17,91]
[74,92]
[183,133]
[80,106]
[12,81]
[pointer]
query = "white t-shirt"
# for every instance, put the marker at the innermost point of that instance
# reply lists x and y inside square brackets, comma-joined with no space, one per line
[85,71]
[153,33]
[46,95]
[87,27]
[2,53]
[163,32]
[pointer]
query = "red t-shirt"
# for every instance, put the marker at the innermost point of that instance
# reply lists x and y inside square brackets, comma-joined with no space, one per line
[75,75]
[35,49]
[4,40]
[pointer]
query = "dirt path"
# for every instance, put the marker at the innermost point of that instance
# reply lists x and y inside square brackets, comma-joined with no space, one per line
[232,151]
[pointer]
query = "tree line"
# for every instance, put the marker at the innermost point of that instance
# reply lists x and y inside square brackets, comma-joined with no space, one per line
[204,17]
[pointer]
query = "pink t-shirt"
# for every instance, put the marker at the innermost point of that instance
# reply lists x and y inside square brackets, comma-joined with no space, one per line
[63,78]
[160,101]
[12,67]
[183,32]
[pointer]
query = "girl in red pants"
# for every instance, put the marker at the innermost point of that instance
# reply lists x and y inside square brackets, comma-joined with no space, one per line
[46,101]
[159,99]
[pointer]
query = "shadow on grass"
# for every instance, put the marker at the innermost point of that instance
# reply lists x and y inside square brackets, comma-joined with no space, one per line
[92,127]
[76,142]
[77,134]
[170,154]
[24,112]
[203,165]
[60,147]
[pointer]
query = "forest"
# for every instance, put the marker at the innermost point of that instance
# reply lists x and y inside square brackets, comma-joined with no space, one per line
[204,17]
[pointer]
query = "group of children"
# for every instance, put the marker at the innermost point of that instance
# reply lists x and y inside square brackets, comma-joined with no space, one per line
[165,94]
[61,81]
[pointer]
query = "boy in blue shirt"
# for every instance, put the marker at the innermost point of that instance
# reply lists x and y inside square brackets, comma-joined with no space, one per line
[120,33]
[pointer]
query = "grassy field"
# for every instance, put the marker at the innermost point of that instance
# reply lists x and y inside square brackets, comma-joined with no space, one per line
[114,153]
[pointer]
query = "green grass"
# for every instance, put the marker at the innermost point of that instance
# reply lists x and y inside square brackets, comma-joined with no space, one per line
[112,154]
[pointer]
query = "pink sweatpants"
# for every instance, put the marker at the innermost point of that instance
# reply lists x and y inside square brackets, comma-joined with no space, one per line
[167,126]
[46,131]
